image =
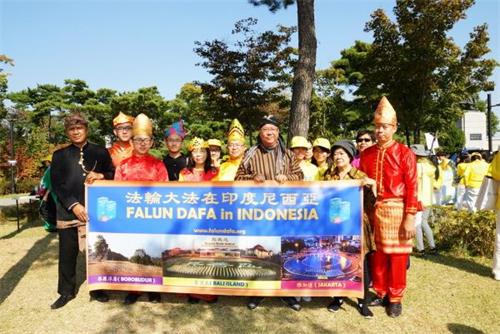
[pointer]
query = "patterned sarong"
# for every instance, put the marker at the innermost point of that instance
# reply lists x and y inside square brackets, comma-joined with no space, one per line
[388,224]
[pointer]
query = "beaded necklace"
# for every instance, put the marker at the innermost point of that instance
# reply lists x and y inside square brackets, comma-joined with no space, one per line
[82,165]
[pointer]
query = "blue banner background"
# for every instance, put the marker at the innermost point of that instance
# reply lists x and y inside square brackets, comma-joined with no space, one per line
[331,201]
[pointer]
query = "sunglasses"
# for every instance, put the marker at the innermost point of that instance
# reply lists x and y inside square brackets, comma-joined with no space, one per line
[366,140]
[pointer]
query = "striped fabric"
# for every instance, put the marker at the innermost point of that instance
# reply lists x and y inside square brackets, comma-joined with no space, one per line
[264,162]
[388,222]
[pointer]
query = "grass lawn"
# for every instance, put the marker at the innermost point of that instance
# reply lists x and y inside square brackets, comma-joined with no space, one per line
[446,294]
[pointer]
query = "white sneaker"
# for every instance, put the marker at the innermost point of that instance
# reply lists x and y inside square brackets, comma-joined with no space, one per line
[307,299]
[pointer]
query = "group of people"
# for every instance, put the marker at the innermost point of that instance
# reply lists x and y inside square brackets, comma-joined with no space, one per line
[388,171]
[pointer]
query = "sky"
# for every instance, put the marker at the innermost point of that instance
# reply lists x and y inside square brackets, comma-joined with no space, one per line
[129,44]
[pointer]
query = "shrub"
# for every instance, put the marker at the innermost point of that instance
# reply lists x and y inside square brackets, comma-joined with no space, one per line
[26,185]
[472,232]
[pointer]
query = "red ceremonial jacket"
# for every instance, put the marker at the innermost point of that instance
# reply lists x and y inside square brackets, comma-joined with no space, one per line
[394,169]
[141,168]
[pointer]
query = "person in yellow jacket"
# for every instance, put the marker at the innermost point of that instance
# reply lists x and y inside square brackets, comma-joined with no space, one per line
[321,155]
[236,150]
[495,174]
[426,172]
[473,177]
[461,168]
[299,147]
[445,183]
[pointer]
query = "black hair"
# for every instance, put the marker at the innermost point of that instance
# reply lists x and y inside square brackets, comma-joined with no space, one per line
[329,159]
[207,166]
[366,132]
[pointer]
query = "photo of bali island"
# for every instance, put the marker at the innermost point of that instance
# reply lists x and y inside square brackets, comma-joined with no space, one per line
[321,257]
[124,258]
[223,257]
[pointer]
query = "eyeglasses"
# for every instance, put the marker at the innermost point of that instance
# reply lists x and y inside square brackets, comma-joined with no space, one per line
[123,128]
[142,140]
[234,145]
[366,140]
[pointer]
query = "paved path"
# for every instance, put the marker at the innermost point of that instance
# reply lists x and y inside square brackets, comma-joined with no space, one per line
[11,201]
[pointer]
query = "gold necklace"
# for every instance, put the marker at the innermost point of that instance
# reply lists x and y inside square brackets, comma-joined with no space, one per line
[82,165]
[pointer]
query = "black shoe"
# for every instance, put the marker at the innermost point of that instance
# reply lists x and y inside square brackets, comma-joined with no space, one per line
[335,304]
[394,310]
[131,298]
[433,251]
[292,303]
[420,253]
[364,310]
[379,302]
[253,302]
[61,301]
[154,297]
[99,295]
[193,300]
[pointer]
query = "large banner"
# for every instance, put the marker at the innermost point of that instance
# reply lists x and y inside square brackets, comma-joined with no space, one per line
[226,238]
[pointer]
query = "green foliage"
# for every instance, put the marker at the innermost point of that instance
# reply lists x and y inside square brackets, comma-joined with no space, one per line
[144,260]
[451,140]
[413,61]
[248,74]
[273,5]
[26,185]
[463,231]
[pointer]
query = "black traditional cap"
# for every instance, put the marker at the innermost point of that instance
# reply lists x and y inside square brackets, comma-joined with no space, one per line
[269,119]
[74,119]
[347,146]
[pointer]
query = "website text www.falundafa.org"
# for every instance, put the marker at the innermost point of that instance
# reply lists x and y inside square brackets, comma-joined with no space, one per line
[219,231]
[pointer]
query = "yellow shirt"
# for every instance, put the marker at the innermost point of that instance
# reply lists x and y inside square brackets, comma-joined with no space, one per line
[425,181]
[475,173]
[461,167]
[495,174]
[227,170]
[311,172]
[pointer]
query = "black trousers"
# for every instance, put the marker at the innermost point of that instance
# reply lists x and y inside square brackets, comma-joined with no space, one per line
[68,253]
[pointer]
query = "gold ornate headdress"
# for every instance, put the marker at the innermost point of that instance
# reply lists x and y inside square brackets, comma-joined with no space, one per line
[197,143]
[236,132]
[122,118]
[385,113]
[142,126]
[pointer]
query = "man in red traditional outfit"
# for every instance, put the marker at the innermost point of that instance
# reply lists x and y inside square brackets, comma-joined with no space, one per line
[393,166]
[122,148]
[141,166]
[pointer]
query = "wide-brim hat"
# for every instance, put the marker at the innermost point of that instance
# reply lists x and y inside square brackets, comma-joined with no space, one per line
[419,150]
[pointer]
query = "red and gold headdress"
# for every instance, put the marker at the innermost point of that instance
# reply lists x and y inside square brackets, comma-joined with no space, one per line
[122,118]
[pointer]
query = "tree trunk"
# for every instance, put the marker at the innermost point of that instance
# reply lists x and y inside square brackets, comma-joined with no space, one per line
[304,73]
[407,135]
